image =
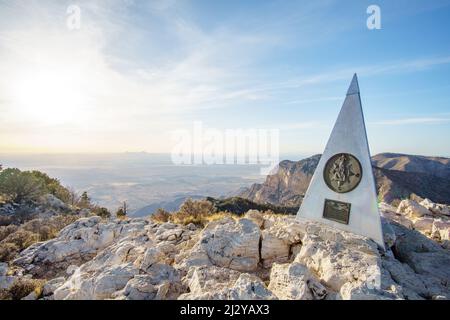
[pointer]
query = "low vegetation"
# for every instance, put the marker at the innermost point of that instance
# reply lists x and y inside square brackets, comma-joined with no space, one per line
[201,212]
[21,288]
[22,203]
[240,206]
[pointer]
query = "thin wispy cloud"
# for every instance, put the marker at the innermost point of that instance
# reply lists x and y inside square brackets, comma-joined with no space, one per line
[411,121]
[137,70]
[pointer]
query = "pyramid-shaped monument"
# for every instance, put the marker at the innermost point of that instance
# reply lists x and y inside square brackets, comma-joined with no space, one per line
[342,192]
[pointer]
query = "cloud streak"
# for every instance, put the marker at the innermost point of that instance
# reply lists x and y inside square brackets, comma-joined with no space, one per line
[412,121]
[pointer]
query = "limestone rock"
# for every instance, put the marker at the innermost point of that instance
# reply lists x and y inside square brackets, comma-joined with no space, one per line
[207,283]
[75,244]
[3,269]
[233,259]
[140,288]
[52,285]
[256,216]
[413,287]
[169,232]
[337,264]
[250,287]
[227,243]
[441,229]
[439,209]
[426,257]
[412,209]
[388,232]
[295,282]
[399,218]
[273,249]
[424,225]
[50,201]
[31,296]
[161,253]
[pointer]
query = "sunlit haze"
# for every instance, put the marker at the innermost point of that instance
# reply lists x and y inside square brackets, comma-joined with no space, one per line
[135,71]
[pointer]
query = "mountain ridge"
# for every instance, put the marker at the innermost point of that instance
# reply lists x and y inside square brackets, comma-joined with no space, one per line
[397,175]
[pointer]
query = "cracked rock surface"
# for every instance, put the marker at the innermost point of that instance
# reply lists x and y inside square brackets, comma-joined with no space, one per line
[257,256]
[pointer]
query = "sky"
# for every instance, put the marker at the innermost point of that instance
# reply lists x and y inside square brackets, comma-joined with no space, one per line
[135,71]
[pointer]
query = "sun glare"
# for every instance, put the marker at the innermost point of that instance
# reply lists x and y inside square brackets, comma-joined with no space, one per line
[48,96]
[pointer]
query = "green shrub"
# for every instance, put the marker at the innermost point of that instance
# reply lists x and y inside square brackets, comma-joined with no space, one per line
[101,212]
[199,212]
[52,186]
[22,186]
[19,186]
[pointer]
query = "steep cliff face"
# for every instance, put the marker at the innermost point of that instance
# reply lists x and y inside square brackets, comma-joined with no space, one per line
[397,176]
[287,186]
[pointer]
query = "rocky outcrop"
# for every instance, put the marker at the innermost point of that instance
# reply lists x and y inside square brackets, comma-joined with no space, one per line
[294,281]
[428,218]
[435,208]
[75,244]
[259,256]
[215,283]
[227,243]
[285,187]
[6,280]
[412,209]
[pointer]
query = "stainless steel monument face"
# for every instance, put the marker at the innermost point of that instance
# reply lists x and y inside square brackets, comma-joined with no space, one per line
[342,191]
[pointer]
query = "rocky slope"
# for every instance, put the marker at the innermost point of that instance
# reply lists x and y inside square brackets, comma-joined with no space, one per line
[287,186]
[435,166]
[397,176]
[255,257]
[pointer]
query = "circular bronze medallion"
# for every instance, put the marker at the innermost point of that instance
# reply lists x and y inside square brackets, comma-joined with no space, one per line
[342,173]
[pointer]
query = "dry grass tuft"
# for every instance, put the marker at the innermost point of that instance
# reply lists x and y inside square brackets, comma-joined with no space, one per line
[199,213]
[22,288]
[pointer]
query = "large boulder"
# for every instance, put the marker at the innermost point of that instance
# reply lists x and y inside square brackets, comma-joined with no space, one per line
[424,225]
[76,244]
[143,287]
[441,229]
[390,213]
[412,209]
[3,269]
[50,287]
[227,243]
[295,282]
[216,283]
[135,266]
[426,257]
[435,208]
[172,233]
[49,201]
[273,249]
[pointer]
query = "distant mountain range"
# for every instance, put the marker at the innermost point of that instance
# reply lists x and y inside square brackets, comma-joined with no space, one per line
[398,176]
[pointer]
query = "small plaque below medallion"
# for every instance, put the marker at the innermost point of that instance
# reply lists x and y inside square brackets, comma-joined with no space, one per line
[337,211]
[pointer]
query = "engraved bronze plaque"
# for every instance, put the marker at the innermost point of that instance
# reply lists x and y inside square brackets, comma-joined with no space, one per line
[342,173]
[337,211]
